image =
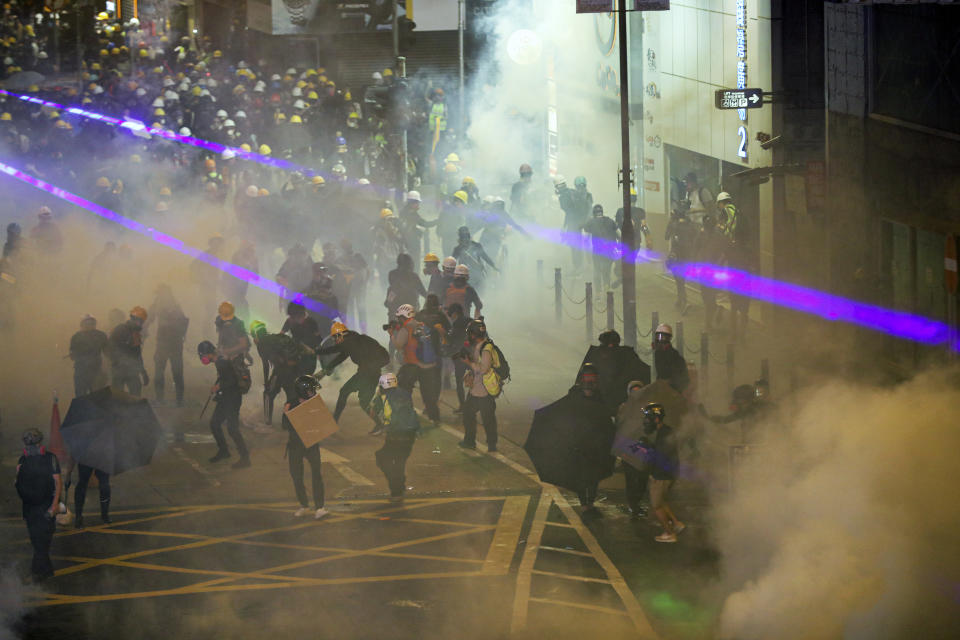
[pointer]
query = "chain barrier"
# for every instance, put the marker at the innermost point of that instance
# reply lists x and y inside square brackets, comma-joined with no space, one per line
[580,301]
[687,347]
[600,311]
[583,317]
[644,335]
[617,316]
[716,358]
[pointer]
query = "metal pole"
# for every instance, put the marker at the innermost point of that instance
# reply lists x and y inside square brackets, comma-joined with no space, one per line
[680,339]
[705,365]
[404,158]
[629,269]
[588,299]
[654,322]
[539,273]
[79,52]
[396,31]
[461,17]
[731,369]
[610,310]
[557,295]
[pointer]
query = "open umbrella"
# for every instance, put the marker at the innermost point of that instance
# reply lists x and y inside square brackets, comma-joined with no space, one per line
[630,442]
[111,431]
[22,80]
[569,442]
[617,366]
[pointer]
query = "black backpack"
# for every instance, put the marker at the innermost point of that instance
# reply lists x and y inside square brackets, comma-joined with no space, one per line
[35,482]
[242,372]
[503,371]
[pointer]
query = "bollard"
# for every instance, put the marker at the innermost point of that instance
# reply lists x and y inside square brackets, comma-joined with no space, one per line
[679,339]
[588,299]
[654,321]
[539,273]
[705,365]
[731,370]
[765,370]
[610,310]
[557,295]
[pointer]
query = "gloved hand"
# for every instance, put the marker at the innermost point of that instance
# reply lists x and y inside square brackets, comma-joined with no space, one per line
[145,377]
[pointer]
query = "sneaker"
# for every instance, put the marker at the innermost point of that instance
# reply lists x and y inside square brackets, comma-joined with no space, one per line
[242,463]
[666,537]
[319,513]
[491,449]
[221,455]
[678,527]
[302,511]
[463,444]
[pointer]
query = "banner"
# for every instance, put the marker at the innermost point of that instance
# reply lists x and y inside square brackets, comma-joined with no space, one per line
[651,5]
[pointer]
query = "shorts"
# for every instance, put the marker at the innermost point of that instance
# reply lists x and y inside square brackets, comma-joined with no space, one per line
[658,492]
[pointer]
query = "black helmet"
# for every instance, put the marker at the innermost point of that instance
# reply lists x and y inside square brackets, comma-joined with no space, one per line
[589,377]
[206,348]
[743,394]
[653,410]
[13,229]
[306,386]
[610,338]
[477,329]
[463,232]
[32,437]
[598,209]
[296,309]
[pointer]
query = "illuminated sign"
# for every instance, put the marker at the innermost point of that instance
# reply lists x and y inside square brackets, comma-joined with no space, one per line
[745,99]
[741,49]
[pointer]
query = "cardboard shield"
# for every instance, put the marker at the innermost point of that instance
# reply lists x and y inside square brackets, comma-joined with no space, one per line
[312,421]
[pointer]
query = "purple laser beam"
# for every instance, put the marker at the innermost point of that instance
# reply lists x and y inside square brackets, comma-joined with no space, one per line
[174,243]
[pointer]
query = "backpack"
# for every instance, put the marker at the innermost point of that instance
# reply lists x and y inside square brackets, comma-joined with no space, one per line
[35,482]
[427,351]
[242,372]
[500,369]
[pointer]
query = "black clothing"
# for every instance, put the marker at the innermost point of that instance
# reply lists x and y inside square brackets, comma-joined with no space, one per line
[296,452]
[635,486]
[364,383]
[36,485]
[231,334]
[666,455]
[617,367]
[405,288]
[323,294]
[308,334]
[86,350]
[473,255]
[392,460]
[171,332]
[487,408]
[228,410]
[369,356]
[80,492]
[126,356]
[41,527]
[672,367]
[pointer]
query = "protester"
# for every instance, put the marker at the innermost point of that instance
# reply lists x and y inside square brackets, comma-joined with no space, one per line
[227,392]
[306,387]
[38,484]
[665,462]
[484,385]
[393,409]
[365,352]
[87,348]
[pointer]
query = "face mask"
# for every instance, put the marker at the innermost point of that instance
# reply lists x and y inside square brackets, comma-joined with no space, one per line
[649,427]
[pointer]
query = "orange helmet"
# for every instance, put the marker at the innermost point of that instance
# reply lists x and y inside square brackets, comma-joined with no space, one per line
[139,312]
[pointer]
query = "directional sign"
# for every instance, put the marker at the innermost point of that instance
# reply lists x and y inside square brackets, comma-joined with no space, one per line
[738,98]
[594,6]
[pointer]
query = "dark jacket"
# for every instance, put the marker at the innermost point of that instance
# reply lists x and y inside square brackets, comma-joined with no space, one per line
[665,459]
[672,367]
[87,349]
[365,352]
[126,346]
[617,367]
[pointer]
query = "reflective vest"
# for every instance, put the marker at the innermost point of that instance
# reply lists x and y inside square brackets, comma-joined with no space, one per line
[438,117]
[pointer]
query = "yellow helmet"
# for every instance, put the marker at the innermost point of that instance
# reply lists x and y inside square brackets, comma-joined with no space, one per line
[387,72]
[218,54]
[159,112]
[461,196]
[226,310]
[431,257]
[313,96]
[95,66]
[301,84]
[311,72]
[245,147]
[469,180]
[450,168]
[347,96]
[338,328]
[165,192]
[263,192]
[197,90]
[63,124]
[281,116]
[103,15]
[317,180]
[103,182]
[353,116]
[104,53]
[264,150]
[135,159]
[296,120]
[33,89]
[386,213]
[452,157]
[115,51]
[6,117]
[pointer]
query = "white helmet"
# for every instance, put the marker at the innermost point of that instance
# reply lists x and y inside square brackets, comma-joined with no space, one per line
[388,381]
[559,180]
[184,131]
[229,123]
[297,92]
[222,114]
[462,270]
[157,103]
[168,82]
[228,154]
[252,191]
[489,199]
[170,95]
[377,76]
[212,83]
[240,114]
[405,311]
[663,330]
[414,196]
[299,104]
[291,71]
[363,182]
[275,77]
[449,263]
[141,92]
[241,65]
[723,195]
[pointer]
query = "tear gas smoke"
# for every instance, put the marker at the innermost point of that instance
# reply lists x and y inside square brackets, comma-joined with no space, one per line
[845,527]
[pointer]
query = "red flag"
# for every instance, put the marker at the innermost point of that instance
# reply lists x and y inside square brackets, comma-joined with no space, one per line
[56,444]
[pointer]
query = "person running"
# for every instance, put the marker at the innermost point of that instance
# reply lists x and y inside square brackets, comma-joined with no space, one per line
[280,355]
[456,342]
[665,460]
[393,409]
[306,331]
[405,285]
[365,352]
[38,485]
[228,395]
[471,253]
[126,353]
[306,388]
[414,342]
[87,347]
[460,292]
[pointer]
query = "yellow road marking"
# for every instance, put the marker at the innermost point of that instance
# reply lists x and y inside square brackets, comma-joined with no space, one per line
[521,596]
[560,524]
[580,605]
[506,535]
[569,576]
[572,552]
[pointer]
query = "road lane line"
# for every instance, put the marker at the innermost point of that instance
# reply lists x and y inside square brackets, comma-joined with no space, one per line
[506,536]
[572,552]
[351,476]
[196,466]
[521,596]
[570,576]
[580,605]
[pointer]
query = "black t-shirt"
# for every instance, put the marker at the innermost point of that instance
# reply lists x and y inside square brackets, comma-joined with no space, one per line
[35,482]
[306,332]
[666,455]
[672,367]
[87,347]
[227,377]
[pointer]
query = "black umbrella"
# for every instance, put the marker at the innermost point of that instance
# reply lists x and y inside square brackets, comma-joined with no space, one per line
[569,442]
[111,431]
